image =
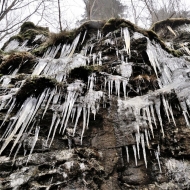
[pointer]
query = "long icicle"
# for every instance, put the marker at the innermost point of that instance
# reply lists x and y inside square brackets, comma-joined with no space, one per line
[34,142]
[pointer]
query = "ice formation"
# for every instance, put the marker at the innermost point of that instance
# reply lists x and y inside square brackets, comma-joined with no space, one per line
[78,100]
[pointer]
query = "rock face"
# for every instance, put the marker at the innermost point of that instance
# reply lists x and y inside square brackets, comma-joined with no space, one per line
[105,107]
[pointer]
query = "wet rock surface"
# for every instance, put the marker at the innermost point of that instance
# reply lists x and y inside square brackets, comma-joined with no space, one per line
[110,111]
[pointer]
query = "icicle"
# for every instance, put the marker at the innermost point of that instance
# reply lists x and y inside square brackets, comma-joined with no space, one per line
[127,151]
[157,154]
[121,32]
[186,118]
[40,67]
[55,128]
[165,107]
[39,102]
[71,103]
[93,58]
[49,100]
[28,105]
[135,154]
[100,58]
[157,107]
[18,148]
[88,116]
[171,112]
[117,87]
[84,123]
[127,40]
[24,125]
[56,97]
[185,112]
[34,143]
[149,120]
[143,147]
[74,45]
[124,88]
[137,136]
[73,113]
[8,112]
[84,37]
[4,99]
[146,136]
[7,131]
[151,56]
[152,113]
[52,124]
[79,109]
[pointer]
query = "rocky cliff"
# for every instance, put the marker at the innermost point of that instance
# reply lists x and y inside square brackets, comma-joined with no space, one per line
[105,106]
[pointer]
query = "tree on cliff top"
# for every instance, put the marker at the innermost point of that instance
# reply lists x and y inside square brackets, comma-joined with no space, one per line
[102,9]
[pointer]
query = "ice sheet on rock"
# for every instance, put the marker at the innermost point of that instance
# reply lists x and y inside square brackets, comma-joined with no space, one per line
[137,35]
[126,69]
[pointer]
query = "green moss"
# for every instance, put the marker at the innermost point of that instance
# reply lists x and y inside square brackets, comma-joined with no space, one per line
[176,53]
[34,86]
[83,72]
[28,32]
[30,25]
[39,51]
[172,22]
[13,61]
[1,52]
[116,23]
[61,37]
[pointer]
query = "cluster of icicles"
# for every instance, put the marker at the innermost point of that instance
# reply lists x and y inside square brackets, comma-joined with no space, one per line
[146,109]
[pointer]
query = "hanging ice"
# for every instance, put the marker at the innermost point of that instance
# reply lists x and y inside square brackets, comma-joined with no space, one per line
[34,142]
[127,40]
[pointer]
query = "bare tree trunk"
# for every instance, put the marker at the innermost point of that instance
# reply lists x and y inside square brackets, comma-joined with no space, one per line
[59,12]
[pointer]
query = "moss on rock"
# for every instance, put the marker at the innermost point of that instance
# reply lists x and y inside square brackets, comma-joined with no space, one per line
[172,22]
[34,86]
[14,60]
[30,25]
[28,32]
